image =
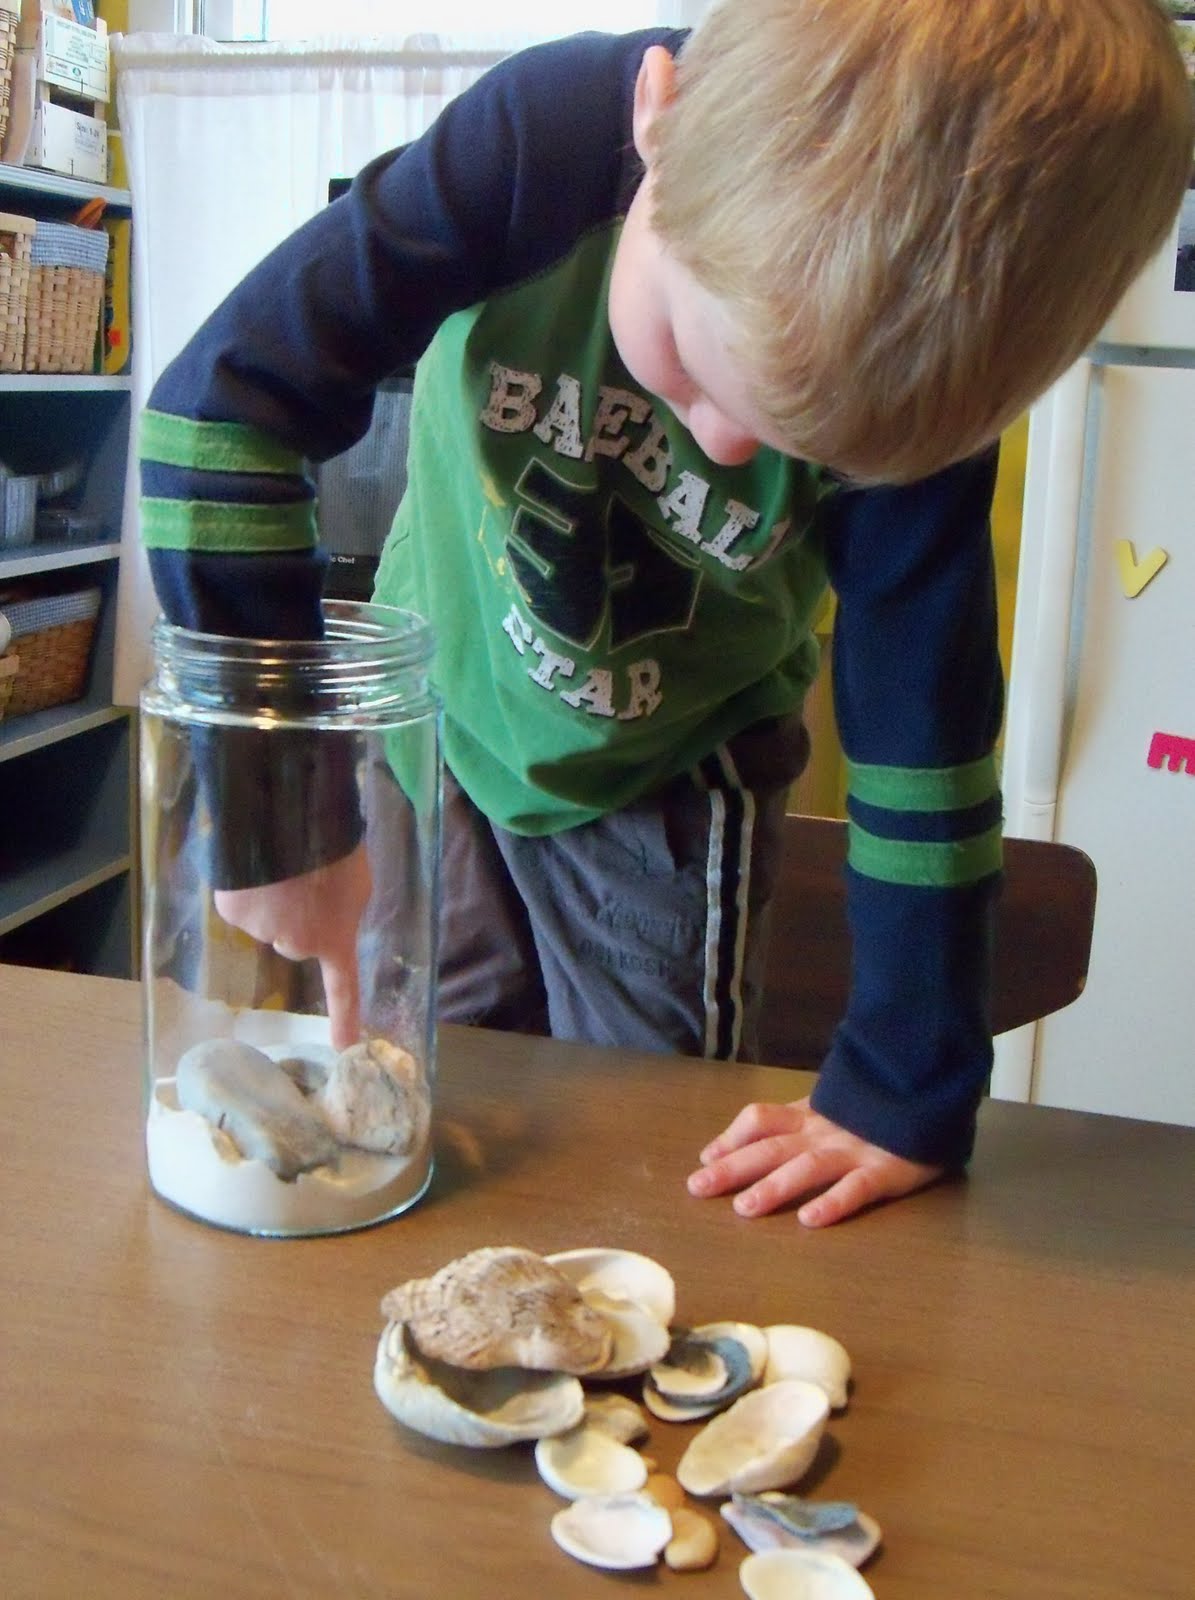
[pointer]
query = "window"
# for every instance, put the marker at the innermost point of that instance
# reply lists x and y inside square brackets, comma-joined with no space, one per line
[527,19]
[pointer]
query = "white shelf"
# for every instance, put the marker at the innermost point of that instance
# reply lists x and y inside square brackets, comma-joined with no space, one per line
[58,382]
[51,555]
[19,736]
[32,180]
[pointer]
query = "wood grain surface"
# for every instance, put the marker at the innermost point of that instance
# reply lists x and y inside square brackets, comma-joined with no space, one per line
[186,1412]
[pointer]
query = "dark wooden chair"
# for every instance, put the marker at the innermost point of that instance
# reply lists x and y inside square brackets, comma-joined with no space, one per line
[1043,939]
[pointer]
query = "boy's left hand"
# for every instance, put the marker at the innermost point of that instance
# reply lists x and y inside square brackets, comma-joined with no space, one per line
[774,1154]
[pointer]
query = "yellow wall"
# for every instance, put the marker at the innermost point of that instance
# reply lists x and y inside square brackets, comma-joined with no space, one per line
[822,789]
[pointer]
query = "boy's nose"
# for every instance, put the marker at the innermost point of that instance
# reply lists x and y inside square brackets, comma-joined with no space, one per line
[722,439]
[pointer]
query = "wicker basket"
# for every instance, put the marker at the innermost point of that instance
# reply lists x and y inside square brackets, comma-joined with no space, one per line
[52,639]
[10,16]
[16,248]
[9,667]
[66,297]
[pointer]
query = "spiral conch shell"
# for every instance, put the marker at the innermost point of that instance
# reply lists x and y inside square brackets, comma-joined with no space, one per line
[502,1306]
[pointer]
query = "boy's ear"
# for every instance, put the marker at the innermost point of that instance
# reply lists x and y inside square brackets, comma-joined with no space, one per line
[654,88]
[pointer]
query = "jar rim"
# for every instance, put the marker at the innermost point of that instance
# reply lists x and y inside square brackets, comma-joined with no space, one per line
[354,630]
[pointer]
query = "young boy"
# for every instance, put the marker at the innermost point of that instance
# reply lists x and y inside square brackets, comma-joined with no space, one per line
[704,324]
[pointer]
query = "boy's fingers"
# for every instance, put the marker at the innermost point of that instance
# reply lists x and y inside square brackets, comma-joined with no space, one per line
[343,995]
[757,1121]
[748,1165]
[850,1194]
[804,1172]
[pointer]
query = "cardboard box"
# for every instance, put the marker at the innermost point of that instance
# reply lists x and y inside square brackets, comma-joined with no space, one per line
[69,57]
[73,58]
[67,141]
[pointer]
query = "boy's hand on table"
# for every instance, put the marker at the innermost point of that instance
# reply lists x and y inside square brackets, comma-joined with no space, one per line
[774,1154]
[314,916]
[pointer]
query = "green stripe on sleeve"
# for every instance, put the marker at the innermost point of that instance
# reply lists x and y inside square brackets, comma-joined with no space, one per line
[924,788]
[222,527]
[930,866]
[213,446]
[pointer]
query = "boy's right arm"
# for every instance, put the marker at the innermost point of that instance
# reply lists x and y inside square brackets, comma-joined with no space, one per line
[286,369]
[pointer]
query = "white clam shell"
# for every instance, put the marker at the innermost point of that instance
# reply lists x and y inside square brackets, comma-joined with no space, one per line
[618,1531]
[766,1440]
[616,1415]
[798,1352]
[855,1544]
[667,1411]
[801,1575]
[753,1342]
[623,1275]
[640,1339]
[482,1409]
[586,1460]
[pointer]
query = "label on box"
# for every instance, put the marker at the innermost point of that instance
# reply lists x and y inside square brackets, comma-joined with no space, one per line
[66,141]
[73,58]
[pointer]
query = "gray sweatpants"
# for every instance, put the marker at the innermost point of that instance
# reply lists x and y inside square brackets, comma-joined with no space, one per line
[644,929]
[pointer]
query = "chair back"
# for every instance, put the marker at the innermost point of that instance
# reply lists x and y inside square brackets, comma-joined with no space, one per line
[1044,922]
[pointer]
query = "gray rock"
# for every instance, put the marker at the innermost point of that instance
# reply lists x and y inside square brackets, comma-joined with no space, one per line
[262,1110]
[307,1074]
[373,1099]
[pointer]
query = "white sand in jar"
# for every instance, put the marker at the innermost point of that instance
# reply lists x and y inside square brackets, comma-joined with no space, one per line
[198,1167]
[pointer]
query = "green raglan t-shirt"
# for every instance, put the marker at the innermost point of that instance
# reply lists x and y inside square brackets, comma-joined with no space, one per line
[628,605]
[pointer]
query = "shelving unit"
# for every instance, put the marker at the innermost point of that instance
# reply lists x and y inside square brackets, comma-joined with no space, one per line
[67,775]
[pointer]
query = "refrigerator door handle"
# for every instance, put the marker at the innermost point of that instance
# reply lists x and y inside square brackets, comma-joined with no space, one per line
[1051,640]
[1033,759]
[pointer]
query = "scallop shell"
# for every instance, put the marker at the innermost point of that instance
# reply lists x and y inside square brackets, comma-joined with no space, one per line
[615,1531]
[623,1275]
[586,1460]
[483,1409]
[502,1307]
[797,1352]
[758,1531]
[766,1440]
[801,1575]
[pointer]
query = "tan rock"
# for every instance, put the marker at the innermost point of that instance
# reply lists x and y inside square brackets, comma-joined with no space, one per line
[694,1542]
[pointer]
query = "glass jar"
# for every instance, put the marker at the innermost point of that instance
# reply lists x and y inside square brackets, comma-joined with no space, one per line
[290,797]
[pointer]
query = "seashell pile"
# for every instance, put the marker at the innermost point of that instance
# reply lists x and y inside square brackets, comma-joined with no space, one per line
[492,1349]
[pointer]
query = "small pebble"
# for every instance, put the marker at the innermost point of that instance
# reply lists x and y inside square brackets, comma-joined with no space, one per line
[694,1542]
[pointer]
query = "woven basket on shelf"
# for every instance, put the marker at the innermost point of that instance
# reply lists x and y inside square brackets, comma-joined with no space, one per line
[9,667]
[10,16]
[66,297]
[52,639]
[16,247]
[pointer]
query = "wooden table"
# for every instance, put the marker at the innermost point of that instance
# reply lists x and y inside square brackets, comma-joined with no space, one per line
[186,1412]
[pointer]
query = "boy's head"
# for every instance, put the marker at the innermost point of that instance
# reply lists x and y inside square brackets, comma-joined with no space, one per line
[913,214]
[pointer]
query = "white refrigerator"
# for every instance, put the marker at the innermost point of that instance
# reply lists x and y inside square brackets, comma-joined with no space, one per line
[1099,744]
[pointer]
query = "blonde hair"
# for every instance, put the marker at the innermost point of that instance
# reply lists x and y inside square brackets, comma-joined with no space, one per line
[919,213]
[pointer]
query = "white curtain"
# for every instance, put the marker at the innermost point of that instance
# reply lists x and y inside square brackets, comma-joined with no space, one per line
[229,148]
